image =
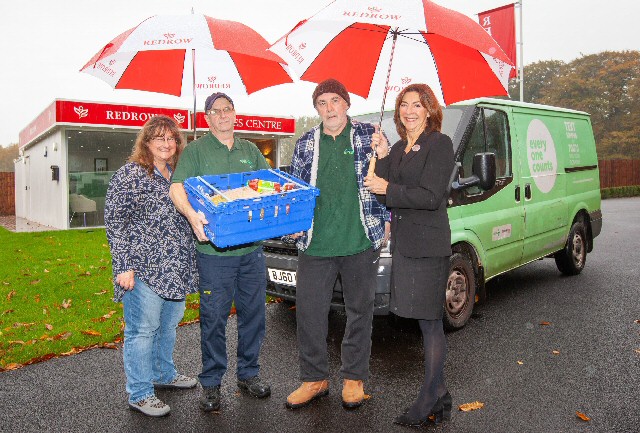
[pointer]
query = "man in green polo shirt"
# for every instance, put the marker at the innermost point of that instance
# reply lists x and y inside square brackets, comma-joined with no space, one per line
[230,274]
[349,227]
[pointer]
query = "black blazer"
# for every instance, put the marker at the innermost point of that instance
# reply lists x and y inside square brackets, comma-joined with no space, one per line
[416,195]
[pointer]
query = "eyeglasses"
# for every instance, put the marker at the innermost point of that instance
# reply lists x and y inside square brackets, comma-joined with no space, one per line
[159,139]
[219,111]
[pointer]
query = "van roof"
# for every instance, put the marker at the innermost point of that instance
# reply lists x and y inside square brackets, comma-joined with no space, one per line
[511,103]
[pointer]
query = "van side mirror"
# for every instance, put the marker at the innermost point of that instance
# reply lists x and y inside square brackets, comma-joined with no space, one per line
[483,173]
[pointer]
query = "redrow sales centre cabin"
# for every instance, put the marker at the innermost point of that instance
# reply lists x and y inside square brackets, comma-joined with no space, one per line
[70,151]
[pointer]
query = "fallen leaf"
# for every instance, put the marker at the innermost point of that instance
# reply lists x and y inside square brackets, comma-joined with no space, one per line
[62,336]
[71,352]
[293,307]
[91,332]
[37,298]
[545,323]
[66,303]
[48,326]
[637,350]
[45,311]
[11,295]
[582,416]
[109,314]
[46,271]
[7,312]
[635,321]
[367,397]
[110,346]
[6,283]
[233,311]
[520,362]
[19,342]
[34,282]
[555,352]
[21,324]
[12,366]
[101,293]
[467,407]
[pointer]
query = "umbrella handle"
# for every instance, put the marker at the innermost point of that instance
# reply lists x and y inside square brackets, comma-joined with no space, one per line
[372,165]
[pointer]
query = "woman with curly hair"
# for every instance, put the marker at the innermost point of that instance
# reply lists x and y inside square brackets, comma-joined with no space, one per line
[153,257]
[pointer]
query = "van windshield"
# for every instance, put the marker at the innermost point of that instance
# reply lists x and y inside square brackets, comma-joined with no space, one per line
[454,121]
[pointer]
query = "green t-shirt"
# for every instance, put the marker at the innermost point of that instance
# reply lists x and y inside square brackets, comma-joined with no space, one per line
[337,228]
[206,156]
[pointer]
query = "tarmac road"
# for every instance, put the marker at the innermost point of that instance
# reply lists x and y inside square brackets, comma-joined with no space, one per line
[592,327]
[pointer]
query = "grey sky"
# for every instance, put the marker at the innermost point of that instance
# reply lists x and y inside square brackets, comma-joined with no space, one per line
[44,43]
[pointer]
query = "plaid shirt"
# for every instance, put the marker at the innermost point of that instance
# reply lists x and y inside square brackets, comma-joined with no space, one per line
[304,165]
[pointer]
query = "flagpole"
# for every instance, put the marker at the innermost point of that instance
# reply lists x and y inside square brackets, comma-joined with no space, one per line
[521,72]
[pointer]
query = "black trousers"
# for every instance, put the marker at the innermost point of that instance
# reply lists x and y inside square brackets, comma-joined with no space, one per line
[316,277]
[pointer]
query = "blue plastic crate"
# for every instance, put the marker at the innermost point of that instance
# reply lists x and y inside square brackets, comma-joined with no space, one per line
[248,220]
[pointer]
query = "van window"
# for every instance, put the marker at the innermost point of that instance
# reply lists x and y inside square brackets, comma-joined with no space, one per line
[490,134]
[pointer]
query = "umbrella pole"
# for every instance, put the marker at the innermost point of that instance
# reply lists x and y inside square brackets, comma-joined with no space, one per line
[372,163]
[193,85]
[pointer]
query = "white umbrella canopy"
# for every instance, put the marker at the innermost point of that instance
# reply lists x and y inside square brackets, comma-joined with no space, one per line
[377,47]
[188,54]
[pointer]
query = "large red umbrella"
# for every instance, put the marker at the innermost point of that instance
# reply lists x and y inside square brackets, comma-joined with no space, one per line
[380,46]
[180,55]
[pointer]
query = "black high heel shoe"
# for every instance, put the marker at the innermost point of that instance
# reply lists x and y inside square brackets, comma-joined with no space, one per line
[441,411]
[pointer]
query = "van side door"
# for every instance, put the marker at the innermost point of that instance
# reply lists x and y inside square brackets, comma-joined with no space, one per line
[494,216]
[541,134]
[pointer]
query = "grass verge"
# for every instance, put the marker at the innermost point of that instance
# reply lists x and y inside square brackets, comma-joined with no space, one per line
[56,296]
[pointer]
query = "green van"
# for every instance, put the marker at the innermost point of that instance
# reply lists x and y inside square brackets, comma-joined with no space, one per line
[526,187]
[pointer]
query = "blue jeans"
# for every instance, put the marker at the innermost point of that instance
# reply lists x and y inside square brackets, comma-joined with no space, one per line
[242,279]
[149,339]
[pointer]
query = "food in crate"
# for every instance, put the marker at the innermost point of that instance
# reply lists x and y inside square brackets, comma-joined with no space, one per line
[254,188]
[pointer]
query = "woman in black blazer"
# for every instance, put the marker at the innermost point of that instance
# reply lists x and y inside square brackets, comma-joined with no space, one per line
[411,179]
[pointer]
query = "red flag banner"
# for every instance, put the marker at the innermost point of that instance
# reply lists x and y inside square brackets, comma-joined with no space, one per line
[500,23]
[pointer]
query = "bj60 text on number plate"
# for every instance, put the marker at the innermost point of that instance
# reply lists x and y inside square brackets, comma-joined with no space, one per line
[282,277]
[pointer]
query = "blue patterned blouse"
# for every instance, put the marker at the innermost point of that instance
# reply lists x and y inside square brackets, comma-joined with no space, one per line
[148,235]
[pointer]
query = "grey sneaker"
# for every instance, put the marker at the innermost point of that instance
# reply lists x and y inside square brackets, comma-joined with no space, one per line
[179,382]
[151,406]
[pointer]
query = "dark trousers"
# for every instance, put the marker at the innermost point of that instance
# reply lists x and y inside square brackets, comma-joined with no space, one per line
[314,289]
[223,280]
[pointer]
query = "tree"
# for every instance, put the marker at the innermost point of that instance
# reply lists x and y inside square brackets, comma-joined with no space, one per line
[605,85]
[7,155]
[537,77]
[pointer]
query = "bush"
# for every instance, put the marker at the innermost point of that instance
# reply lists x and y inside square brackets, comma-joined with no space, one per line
[620,191]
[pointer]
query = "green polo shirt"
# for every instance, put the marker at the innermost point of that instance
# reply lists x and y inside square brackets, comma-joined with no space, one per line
[206,156]
[337,228]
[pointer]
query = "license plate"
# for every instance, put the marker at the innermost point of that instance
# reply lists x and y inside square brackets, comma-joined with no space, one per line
[282,277]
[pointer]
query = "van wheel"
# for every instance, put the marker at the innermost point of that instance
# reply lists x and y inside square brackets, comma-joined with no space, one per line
[572,258]
[461,292]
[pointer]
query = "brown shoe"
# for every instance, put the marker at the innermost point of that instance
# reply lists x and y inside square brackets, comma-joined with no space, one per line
[352,394]
[306,393]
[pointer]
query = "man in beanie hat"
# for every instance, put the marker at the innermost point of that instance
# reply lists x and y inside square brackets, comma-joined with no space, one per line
[229,274]
[349,227]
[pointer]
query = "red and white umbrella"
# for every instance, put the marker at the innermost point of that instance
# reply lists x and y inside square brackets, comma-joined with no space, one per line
[379,46]
[184,54]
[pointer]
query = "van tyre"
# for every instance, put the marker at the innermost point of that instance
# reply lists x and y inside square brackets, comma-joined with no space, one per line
[572,258]
[461,292]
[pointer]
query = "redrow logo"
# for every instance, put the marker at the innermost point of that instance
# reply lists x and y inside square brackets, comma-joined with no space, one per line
[81,111]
